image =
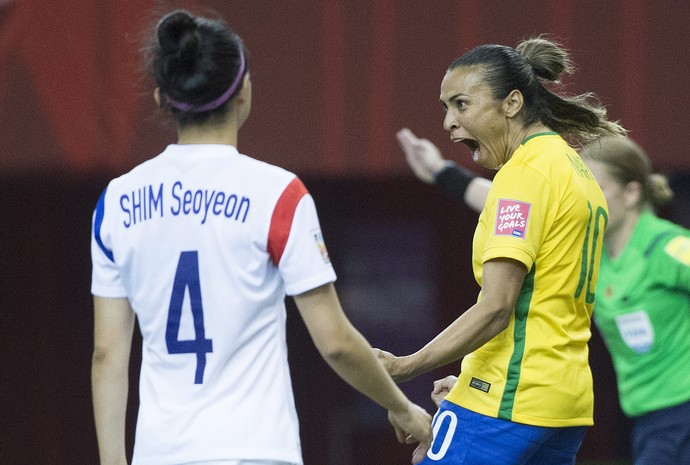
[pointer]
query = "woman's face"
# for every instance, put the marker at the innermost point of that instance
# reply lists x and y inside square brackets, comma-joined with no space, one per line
[475,118]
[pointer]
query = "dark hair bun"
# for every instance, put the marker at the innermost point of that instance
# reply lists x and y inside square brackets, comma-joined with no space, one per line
[198,64]
[177,36]
[547,58]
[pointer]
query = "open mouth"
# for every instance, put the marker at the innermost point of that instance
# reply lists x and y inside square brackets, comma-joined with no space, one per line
[473,145]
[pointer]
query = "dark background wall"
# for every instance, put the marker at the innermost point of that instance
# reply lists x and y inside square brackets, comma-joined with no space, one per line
[333,81]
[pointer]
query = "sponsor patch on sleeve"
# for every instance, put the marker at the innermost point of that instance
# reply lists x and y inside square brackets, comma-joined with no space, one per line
[511,218]
[679,249]
[321,244]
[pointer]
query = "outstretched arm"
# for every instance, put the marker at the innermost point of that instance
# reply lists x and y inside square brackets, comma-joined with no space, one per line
[350,356]
[427,163]
[113,328]
[501,283]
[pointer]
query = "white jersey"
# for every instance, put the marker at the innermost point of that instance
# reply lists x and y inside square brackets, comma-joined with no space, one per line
[205,243]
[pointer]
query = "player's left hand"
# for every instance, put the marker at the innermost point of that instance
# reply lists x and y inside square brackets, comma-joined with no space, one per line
[441,388]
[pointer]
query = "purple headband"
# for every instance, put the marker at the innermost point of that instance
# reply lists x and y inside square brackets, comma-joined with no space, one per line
[215,103]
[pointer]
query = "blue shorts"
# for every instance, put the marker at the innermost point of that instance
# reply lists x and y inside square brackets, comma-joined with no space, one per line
[662,437]
[463,437]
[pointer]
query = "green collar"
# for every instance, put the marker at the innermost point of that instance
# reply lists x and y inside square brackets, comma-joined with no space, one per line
[548,133]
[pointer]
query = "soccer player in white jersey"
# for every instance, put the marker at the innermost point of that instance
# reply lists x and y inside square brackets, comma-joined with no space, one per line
[202,244]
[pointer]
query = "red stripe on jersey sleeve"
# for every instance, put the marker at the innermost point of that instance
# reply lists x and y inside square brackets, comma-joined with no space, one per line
[281,221]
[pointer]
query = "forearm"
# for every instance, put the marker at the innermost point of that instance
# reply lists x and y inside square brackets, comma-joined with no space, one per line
[474,328]
[113,327]
[476,193]
[345,349]
[502,280]
[110,386]
[356,365]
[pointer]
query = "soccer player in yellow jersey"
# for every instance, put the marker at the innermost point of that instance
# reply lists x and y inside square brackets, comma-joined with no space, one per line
[524,395]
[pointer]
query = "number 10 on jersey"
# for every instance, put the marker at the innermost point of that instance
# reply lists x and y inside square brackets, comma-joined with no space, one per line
[187,277]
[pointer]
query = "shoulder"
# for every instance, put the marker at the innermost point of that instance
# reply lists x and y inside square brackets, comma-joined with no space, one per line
[137,172]
[550,153]
[544,142]
[541,153]
[264,169]
[269,181]
[662,234]
[549,160]
[653,226]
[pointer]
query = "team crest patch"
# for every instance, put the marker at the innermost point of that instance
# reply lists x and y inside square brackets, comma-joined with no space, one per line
[511,218]
[321,244]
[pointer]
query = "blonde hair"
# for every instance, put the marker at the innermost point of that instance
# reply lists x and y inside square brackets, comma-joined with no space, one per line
[626,162]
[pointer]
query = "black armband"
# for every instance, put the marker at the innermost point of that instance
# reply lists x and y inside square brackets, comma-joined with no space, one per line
[453,181]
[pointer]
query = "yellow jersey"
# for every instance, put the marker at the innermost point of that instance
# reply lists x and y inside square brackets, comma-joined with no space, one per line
[546,211]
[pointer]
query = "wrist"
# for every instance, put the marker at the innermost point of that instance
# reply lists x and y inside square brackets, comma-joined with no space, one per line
[406,370]
[441,167]
[400,405]
[453,181]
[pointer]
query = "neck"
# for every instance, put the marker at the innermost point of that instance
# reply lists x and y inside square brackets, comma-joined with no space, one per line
[524,132]
[616,239]
[532,129]
[222,133]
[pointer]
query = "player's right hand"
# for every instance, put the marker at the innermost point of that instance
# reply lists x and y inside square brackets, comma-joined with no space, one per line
[411,425]
[422,155]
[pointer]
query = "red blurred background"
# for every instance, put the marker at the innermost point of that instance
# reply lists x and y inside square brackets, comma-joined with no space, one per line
[333,81]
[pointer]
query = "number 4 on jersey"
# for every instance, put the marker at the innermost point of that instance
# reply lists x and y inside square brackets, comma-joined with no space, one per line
[187,277]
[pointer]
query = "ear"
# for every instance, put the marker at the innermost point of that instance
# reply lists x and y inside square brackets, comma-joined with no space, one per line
[632,194]
[513,103]
[246,91]
[157,96]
